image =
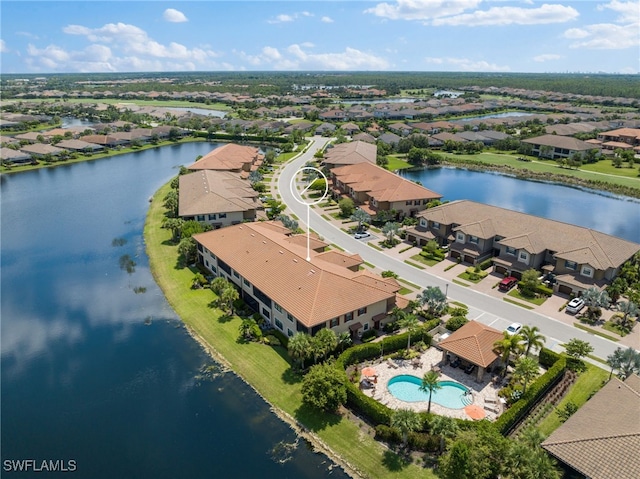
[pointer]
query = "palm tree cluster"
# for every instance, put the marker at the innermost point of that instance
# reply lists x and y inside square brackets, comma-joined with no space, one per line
[626,361]
[226,292]
[528,338]
[303,347]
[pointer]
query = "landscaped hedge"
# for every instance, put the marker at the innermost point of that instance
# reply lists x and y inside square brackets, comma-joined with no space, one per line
[374,411]
[544,290]
[548,358]
[486,264]
[538,389]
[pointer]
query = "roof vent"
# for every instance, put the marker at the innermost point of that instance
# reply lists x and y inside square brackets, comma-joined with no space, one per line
[264,242]
[281,252]
[295,260]
[312,271]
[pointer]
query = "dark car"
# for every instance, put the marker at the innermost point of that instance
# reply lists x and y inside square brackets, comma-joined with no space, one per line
[507,283]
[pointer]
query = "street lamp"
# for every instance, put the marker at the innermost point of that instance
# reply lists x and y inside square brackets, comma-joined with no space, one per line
[446,290]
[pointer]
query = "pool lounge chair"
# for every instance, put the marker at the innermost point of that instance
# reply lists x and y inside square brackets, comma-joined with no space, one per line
[392,364]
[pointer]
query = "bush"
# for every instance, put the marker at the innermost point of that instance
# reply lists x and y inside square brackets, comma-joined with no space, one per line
[456,323]
[283,338]
[548,358]
[419,441]
[272,340]
[390,435]
[369,335]
[486,264]
[389,274]
[544,290]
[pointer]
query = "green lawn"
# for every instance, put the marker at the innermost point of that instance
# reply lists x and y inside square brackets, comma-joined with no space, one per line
[596,332]
[537,301]
[589,382]
[422,260]
[266,368]
[467,277]
[396,163]
[415,265]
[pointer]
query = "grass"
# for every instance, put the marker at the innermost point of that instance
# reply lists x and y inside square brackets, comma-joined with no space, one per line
[336,247]
[369,264]
[405,249]
[461,283]
[422,260]
[517,303]
[467,277]
[265,368]
[596,332]
[415,265]
[614,328]
[415,286]
[374,246]
[518,295]
[405,290]
[588,383]
[396,163]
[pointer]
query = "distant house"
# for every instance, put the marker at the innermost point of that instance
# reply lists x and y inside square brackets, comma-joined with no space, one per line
[366,137]
[578,257]
[217,198]
[375,189]
[7,155]
[333,115]
[40,150]
[79,145]
[230,157]
[350,128]
[107,141]
[325,128]
[601,439]
[556,146]
[269,267]
[350,154]
[625,138]
[31,137]
[389,138]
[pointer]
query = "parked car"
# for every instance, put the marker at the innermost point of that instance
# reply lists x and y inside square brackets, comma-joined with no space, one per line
[513,328]
[362,234]
[507,283]
[575,306]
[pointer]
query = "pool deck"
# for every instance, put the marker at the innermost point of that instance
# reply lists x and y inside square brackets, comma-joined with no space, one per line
[485,394]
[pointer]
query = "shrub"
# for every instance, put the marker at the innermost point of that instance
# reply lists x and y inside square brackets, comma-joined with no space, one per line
[272,340]
[390,435]
[283,338]
[420,441]
[369,335]
[456,323]
[548,358]
[544,290]
[389,274]
[486,264]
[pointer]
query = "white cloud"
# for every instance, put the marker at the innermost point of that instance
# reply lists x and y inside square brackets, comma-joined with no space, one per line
[299,57]
[3,47]
[465,64]
[609,36]
[174,16]
[326,20]
[282,18]
[546,57]
[512,15]
[421,9]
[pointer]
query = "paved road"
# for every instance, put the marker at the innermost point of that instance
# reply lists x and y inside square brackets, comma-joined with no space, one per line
[486,309]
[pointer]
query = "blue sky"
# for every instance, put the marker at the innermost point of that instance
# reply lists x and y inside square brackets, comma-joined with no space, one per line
[358,35]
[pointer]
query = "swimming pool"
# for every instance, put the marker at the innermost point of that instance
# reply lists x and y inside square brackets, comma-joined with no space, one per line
[407,388]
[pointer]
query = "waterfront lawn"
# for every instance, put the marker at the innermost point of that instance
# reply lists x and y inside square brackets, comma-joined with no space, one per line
[396,163]
[265,368]
[587,384]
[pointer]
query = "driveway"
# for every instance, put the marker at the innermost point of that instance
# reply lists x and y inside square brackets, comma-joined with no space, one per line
[484,303]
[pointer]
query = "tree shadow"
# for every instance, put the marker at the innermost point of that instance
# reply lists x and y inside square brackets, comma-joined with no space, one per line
[315,419]
[394,462]
[292,376]
[224,317]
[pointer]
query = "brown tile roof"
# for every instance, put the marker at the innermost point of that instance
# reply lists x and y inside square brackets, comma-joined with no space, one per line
[41,149]
[535,234]
[312,291]
[208,192]
[628,132]
[351,153]
[473,342]
[602,438]
[559,141]
[381,184]
[228,157]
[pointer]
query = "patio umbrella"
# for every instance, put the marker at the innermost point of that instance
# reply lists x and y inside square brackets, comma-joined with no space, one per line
[475,412]
[369,371]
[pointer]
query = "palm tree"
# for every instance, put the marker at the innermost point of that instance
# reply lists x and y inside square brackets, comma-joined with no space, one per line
[615,360]
[298,348]
[526,369]
[361,216]
[595,299]
[344,340]
[505,346]
[411,323]
[531,437]
[390,229]
[629,309]
[430,383]
[228,296]
[630,363]
[531,338]
[445,427]
[406,420]
[326,340]
[433,298]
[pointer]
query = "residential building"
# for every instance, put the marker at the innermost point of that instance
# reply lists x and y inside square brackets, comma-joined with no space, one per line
[601,439]
[268,264]
[40,150]
[375,189]
[577,257]
[7,155]
[557,146]
[350,154]
[218,198]
[79,145]
[230,157]
[625,138]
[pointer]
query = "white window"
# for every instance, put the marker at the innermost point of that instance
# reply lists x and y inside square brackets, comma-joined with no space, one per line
[473,239]
[510,250]
[523,257]
[423,222]
[435,224]
[212,217]
[460,237]
[571,265]
[366,326]
[278,307]
[587,271]
[222,215]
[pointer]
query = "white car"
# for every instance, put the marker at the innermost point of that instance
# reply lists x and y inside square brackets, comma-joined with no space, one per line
[363,234]
[575,306]
[513,328]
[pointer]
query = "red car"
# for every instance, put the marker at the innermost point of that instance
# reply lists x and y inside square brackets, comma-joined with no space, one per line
[507,283]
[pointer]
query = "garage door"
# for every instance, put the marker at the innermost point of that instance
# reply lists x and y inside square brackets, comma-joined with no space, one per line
[564,289]
[455,254]
[468,259]
[501,270]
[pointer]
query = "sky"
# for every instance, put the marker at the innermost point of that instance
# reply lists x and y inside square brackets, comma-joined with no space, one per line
[357,35]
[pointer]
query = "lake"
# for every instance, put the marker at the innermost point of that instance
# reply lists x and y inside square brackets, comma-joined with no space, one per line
[96,367]
[614,215]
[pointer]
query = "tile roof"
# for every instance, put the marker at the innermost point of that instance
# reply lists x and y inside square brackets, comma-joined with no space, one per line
[535,234]
[228,157]
[312,291]
[209,191]
[473,342]
[351,153]
[381,184]
[559,141]
[602,438]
